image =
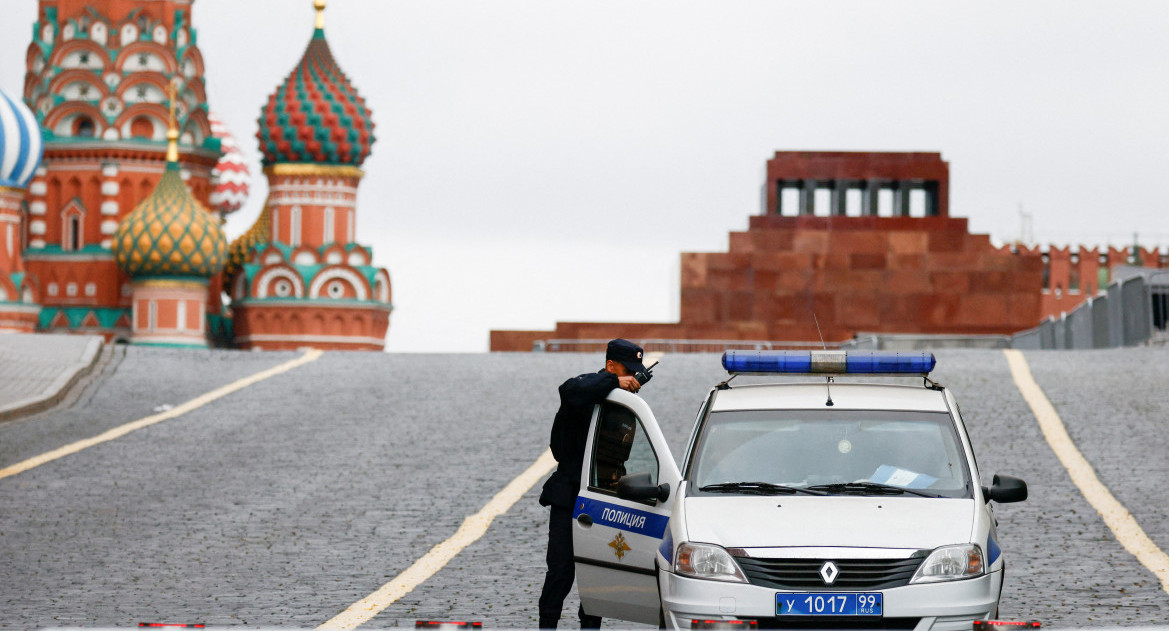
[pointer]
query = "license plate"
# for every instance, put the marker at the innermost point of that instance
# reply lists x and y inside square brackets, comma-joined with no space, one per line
[829,604]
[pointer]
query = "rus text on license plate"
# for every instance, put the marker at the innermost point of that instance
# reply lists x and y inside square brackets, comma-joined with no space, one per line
[829,604]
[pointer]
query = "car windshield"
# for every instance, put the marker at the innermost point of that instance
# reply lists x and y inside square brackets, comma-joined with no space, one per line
[848,452]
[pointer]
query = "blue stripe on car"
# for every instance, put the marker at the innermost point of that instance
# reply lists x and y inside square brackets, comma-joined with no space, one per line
[621,517]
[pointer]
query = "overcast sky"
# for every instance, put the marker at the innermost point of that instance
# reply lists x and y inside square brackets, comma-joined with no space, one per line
[544,160]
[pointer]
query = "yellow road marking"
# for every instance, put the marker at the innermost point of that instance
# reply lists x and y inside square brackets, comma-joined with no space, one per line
[174,412]
[473,528]
[1123,525]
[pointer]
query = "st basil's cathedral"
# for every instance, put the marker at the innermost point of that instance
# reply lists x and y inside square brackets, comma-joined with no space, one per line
[115,178]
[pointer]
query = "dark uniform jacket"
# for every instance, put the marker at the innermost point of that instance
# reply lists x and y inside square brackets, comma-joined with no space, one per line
[570,430]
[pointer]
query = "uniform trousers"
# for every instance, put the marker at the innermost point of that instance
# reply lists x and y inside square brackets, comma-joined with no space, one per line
[561,572]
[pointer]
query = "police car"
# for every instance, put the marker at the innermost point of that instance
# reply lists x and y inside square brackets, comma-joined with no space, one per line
[799,505]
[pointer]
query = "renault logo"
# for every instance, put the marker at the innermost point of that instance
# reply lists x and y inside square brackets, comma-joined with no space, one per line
[829,572]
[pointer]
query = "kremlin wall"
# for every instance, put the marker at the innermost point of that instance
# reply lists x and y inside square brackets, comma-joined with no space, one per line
[115,176]
[882,255]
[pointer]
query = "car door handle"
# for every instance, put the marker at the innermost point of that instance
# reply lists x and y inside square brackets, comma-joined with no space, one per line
[585,520]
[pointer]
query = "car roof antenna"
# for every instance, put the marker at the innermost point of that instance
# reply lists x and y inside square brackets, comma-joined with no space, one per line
[828,379]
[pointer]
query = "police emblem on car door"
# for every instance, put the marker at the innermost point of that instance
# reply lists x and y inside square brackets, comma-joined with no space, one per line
[616,538]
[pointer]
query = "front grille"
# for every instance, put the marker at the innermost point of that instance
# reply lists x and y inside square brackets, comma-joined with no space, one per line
[804,574]
[827,623]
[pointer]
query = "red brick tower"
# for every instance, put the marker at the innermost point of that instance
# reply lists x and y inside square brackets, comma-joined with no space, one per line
[20,155]
[97,79]
[298,277]
[170,246]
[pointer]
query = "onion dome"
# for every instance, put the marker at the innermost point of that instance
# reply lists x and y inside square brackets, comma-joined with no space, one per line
[170,234]
[316,115]
[231,176]
[21,145]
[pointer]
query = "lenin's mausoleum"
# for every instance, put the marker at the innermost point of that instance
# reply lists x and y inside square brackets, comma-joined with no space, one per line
[878,252]
[115,177]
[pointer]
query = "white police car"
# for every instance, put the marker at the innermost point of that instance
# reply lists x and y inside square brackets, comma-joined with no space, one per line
[799,505]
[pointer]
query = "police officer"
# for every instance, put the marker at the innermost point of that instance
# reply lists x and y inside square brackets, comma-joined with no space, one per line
[570,429]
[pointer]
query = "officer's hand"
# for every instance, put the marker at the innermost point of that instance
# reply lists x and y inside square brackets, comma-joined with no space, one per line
[628,383]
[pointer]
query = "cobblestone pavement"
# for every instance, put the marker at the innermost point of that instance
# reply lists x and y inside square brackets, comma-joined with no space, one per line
[282,504]
[36,367]
[1115,405]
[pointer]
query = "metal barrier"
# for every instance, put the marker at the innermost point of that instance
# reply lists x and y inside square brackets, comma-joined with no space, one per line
[1128,313]
[1031,339]
[1099,322]
[1079,327]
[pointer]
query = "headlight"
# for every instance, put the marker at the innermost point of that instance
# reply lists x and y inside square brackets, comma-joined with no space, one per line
[951,563]
[703,560]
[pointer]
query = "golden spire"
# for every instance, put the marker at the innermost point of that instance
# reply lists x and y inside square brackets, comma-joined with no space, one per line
[319,5]
[172,131]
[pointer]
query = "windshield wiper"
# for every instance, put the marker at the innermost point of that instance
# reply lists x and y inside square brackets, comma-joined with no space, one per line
[869,488]
[757,488]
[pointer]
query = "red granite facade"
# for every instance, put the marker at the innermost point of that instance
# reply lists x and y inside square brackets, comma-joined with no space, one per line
[873,260]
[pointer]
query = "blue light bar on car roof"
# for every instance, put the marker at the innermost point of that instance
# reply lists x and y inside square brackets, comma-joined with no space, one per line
[830,362]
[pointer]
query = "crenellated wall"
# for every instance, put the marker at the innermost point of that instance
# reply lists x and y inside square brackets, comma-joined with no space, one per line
[1071,276]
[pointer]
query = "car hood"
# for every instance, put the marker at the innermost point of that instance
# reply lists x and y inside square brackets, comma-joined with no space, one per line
[834,521]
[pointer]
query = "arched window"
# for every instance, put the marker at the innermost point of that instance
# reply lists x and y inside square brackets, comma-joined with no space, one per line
[141,127]
[84,127]
[329,225]
[72,236]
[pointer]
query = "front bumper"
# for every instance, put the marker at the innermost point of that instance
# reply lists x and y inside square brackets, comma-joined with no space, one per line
[953,605]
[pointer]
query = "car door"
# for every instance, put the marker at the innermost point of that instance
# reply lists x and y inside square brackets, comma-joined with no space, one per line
[615,540]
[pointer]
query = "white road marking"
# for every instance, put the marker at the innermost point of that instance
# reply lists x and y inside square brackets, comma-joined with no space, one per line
[473,528]
[1123,525]
[173,412]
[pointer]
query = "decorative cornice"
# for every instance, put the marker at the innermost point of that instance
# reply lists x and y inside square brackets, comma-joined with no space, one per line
[320,303]
[19,307]
[69,257]
[171,283]
[309,168]
[127,150]
[311,339]
[195,340]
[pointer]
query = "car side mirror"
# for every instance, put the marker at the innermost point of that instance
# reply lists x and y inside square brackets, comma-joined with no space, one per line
[1005,489]
[638,487]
